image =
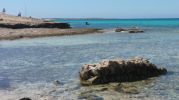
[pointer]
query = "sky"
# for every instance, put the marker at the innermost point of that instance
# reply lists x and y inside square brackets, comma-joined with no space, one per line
[93,8]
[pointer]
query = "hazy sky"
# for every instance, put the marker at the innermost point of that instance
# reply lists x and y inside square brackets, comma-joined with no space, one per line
[93,8]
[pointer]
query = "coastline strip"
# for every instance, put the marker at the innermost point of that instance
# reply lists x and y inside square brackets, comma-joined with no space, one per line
[12,34]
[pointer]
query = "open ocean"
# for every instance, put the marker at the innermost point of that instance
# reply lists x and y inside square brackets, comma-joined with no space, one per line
[28,67]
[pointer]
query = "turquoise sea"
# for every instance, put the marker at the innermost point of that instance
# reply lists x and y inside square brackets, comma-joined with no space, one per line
[28,67]
[113,23]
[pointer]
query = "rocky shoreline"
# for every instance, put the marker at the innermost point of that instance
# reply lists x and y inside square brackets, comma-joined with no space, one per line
[15,22]
[14,27]
[11,34]
[35,25]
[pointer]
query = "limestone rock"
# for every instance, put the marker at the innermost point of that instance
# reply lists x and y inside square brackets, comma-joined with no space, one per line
[14,22]
[121,30]
[119,71]
[136,31]
[132,30]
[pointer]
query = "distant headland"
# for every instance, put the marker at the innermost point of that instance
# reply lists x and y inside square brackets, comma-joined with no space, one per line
[15,27]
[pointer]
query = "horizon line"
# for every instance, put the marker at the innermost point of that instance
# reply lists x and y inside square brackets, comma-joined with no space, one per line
[115,18]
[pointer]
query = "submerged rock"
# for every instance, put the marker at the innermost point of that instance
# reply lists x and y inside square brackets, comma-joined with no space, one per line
[126,88]
[121,30]
[136,31]
[57,82]
[89,97]
[132,30]
[119,71]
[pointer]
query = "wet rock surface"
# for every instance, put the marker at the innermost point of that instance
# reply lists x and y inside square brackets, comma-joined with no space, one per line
[119,71]
[132,30]
[120,91]
[127,88]
[89,97]
[121,30]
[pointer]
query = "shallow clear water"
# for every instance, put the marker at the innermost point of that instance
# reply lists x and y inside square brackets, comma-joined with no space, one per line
[28,67]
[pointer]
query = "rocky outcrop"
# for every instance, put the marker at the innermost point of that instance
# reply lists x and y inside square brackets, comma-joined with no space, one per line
[35,25]
[132,30]
[121,30]
[15,22]
[119,71]
[136,31]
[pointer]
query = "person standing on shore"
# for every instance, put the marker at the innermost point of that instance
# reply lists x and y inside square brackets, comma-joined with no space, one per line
[3,10]
[19,14]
